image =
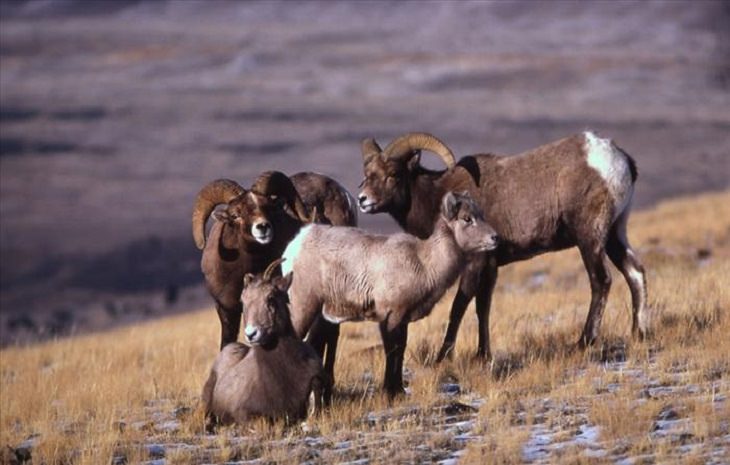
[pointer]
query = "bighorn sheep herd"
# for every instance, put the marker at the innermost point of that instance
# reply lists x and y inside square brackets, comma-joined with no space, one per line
[480,213]
[253,230]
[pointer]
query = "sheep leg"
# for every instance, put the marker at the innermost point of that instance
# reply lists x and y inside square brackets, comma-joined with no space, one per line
[319,386]
[596,263]
[323,338]
[484,303]
[317,337]
[394,344]
[230,319]
[467,289]
[207,400]
[458,307]
[624,258]
[333,336]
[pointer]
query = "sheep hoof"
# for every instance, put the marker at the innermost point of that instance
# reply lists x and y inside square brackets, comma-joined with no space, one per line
[640,334]
[482,357]
[446,352]
[585,342]
[395,393]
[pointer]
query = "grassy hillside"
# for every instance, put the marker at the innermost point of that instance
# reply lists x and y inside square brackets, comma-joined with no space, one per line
[131,395]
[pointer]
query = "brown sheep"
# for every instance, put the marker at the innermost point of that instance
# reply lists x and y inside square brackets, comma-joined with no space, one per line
[573,192]
[274,373]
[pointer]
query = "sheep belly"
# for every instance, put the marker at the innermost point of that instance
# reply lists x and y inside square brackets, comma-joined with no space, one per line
[340,318]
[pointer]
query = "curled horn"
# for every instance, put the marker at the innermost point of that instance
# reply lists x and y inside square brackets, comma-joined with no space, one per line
[272,266]
[409,143]
[215,193]
[279,184]
[370,149]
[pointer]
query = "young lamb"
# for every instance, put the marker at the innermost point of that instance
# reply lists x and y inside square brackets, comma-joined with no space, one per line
[347,274]
[273,375]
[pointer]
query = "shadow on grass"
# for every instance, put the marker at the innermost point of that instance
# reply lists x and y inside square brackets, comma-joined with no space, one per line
[552,348]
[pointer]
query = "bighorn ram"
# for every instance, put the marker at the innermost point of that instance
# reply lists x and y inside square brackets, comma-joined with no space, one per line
[253,230]
[573,192]
[347,274]
[274,374]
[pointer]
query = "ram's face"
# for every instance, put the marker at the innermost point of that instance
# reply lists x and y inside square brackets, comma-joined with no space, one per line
[251,215]
[265,309]
[384,187]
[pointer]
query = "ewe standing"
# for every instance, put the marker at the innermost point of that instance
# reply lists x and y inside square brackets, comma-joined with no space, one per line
[347,274]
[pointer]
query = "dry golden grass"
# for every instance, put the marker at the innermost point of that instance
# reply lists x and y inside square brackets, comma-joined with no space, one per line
[88,399]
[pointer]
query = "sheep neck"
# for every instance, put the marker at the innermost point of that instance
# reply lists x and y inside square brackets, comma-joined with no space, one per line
[423,202]
[441,255]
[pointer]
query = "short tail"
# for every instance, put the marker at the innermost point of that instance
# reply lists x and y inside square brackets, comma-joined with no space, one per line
[632,165]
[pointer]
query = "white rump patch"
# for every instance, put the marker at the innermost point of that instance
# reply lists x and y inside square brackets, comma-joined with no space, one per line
[292,250]
[608,161]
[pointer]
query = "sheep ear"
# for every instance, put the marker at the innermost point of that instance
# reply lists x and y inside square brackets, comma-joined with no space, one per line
[247,279]
[222,216]
[284,282]
[415,160]
[370,149]
[450,206]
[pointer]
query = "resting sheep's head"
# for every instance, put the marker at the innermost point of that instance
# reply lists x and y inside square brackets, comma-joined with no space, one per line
[249,212]
[464,217]
[266,307]
[388,172]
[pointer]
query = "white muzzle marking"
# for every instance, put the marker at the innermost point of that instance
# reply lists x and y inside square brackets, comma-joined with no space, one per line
[262,237]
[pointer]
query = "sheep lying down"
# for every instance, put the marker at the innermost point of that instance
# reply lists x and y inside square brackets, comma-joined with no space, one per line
[274,373]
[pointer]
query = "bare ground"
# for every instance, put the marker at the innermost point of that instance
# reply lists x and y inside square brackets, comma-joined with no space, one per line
[114,114]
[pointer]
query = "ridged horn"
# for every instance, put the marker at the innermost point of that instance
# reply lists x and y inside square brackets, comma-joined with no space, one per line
[215,193]
[272,266]
[408,143]
[370,149]
[279,184]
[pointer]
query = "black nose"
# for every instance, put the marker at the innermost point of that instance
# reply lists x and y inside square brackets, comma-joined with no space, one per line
[495,238]
[361,198]
[251,332]
[263,227]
